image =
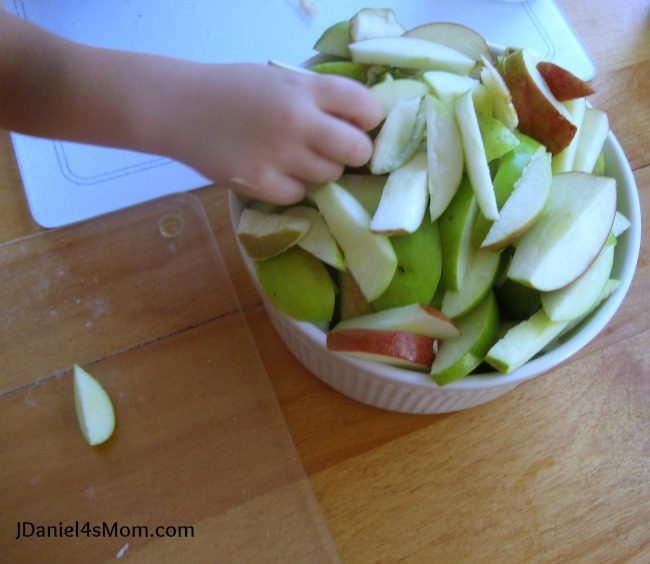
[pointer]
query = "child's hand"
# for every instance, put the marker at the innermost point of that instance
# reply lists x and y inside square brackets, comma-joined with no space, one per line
[267,132]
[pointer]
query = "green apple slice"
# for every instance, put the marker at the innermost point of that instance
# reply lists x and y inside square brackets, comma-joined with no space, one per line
[510,170]
[456,36]
[611,286]
[298,284]
[389,92]
[399,137]
[447,86]
[397,348]
[370,258]
[264,235]
[318,240]
[592,135]
[455,226]
[334,40]
[410,53]
[366,189]
[404,199]
[419,258]
[444,155]
[497,138]
[414,318]
[525,204]
[581,295]
[374,22]
[480,274]
[348,69]
[502,105]
[569,234]
[475,158]
[517,302]
[94,408]
[564,160]
[523,341]
[459,356]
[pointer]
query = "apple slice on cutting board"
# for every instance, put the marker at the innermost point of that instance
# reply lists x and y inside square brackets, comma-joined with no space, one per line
[94,408]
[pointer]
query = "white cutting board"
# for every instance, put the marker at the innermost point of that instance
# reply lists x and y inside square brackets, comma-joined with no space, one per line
[68,182]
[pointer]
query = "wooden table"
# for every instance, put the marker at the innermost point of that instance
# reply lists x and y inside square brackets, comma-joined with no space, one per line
[558,470]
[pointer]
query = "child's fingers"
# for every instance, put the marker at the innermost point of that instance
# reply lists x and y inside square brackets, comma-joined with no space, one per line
[349,100]
[341,142]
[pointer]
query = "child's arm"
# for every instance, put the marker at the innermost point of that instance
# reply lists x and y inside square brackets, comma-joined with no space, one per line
[258,129]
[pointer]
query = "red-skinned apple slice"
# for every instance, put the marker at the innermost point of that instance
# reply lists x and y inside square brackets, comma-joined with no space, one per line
[541,115]
[397,348]
[453,35]
[414,318]
[563,83]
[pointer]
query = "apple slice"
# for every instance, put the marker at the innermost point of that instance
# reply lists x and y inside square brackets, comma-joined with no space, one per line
[475,158]
[366,189]
[447,86]
[399,137]
[456,225]
[524,206]
[503,108]
[348,69]
[541,115]
[335,40]
[563,84]
[414,318]
[621,224]
[264,235]
[298,284]
[480,274]
[517,302]
[410,53]
[569,234]
[444,156]
[351,301]
[94,408]
[579,297]
[397,348]
[318,240]
[459,356]
[374,22]
[404,199]
[389,92]
[523,341]
[592,135]
[419,263]
[510,170]
[564,160]
[369,257]
[497,138]
[456,36]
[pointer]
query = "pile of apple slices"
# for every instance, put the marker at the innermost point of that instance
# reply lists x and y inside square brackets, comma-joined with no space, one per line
[484,227]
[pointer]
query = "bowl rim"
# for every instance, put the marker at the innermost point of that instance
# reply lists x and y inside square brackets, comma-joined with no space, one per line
[628,203]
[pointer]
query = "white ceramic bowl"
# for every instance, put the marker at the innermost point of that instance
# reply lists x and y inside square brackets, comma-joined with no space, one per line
[407,391]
